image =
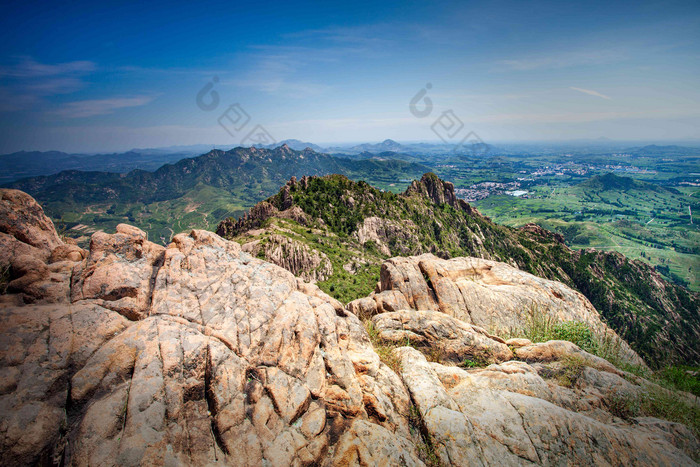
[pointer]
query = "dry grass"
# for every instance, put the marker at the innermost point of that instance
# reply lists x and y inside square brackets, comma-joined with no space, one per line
[4,279]
[383,348]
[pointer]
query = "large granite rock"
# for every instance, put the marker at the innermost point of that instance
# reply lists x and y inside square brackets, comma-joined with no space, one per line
[198,353]
[193,354]
[35,264]
[508,415]
[489,294]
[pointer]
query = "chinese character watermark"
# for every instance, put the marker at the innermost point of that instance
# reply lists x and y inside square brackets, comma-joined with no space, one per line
[234,119]
[448,127]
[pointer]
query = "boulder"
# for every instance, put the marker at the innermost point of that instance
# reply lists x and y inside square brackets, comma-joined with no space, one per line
[508,415]
[446,338]
[488,294]
[34,262]
[119,271]
[21,217]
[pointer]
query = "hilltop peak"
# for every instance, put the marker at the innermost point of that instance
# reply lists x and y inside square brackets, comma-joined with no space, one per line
[431,186]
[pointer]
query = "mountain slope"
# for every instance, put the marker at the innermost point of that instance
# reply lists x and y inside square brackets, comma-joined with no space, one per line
[357,226]
[191,193]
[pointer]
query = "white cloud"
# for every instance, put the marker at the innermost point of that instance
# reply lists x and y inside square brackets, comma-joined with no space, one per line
[590,92]
[91,108]
[30,68]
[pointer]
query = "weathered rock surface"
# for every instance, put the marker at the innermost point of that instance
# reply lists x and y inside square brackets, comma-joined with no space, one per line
[34,261]
[382,231]
[307,263]
[200,354]
[21,217]
[508,415]
[447,338]
[119,271]
[193,354]
[489,294]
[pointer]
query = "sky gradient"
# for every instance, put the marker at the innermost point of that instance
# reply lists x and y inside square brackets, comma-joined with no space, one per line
[103,77]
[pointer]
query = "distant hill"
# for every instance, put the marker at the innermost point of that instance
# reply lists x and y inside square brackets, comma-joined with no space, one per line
[654,150]
[384,146]
[612,182]
[194,192]
[35,163]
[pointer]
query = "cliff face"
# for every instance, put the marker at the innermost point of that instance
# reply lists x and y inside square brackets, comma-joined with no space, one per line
[660,320]
[198,353]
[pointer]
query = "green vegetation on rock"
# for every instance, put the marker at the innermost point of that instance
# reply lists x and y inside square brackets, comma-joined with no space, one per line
[355,224]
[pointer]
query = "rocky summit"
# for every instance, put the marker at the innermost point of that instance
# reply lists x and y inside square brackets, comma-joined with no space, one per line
[199,353]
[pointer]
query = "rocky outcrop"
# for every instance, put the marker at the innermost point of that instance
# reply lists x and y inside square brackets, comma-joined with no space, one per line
[489,294]
[23,219]
[35,263]
[439,191]
[543,233]
[659,319]
[385,232]
[256,217]
[198,353]
[445,338]
[307,263]
[280,205]
[193,354]
[508,414]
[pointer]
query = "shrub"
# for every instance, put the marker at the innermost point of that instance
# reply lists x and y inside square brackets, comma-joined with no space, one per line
[683,378]
[577,332]
[572,369]
[656,402]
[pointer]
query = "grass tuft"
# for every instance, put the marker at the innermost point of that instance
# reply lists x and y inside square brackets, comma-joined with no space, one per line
[426,446]
[382,347]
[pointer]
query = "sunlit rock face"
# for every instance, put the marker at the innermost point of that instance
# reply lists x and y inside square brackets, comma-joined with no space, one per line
[198,353]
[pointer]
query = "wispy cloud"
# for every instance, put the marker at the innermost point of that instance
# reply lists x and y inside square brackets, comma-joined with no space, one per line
[369,35]
[30,68]
[95,107]
[27,83]
[590,92]
[561,60]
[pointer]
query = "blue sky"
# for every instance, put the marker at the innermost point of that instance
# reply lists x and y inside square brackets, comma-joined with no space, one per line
[102,76]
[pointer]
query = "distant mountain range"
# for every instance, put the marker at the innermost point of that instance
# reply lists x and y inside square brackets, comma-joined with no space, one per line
[654,150]
[35,163]
[25,164]
[194,192]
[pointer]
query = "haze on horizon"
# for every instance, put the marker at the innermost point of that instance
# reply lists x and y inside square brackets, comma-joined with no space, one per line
[110,76]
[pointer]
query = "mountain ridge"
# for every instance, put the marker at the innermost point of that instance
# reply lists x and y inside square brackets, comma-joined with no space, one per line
[362,226]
